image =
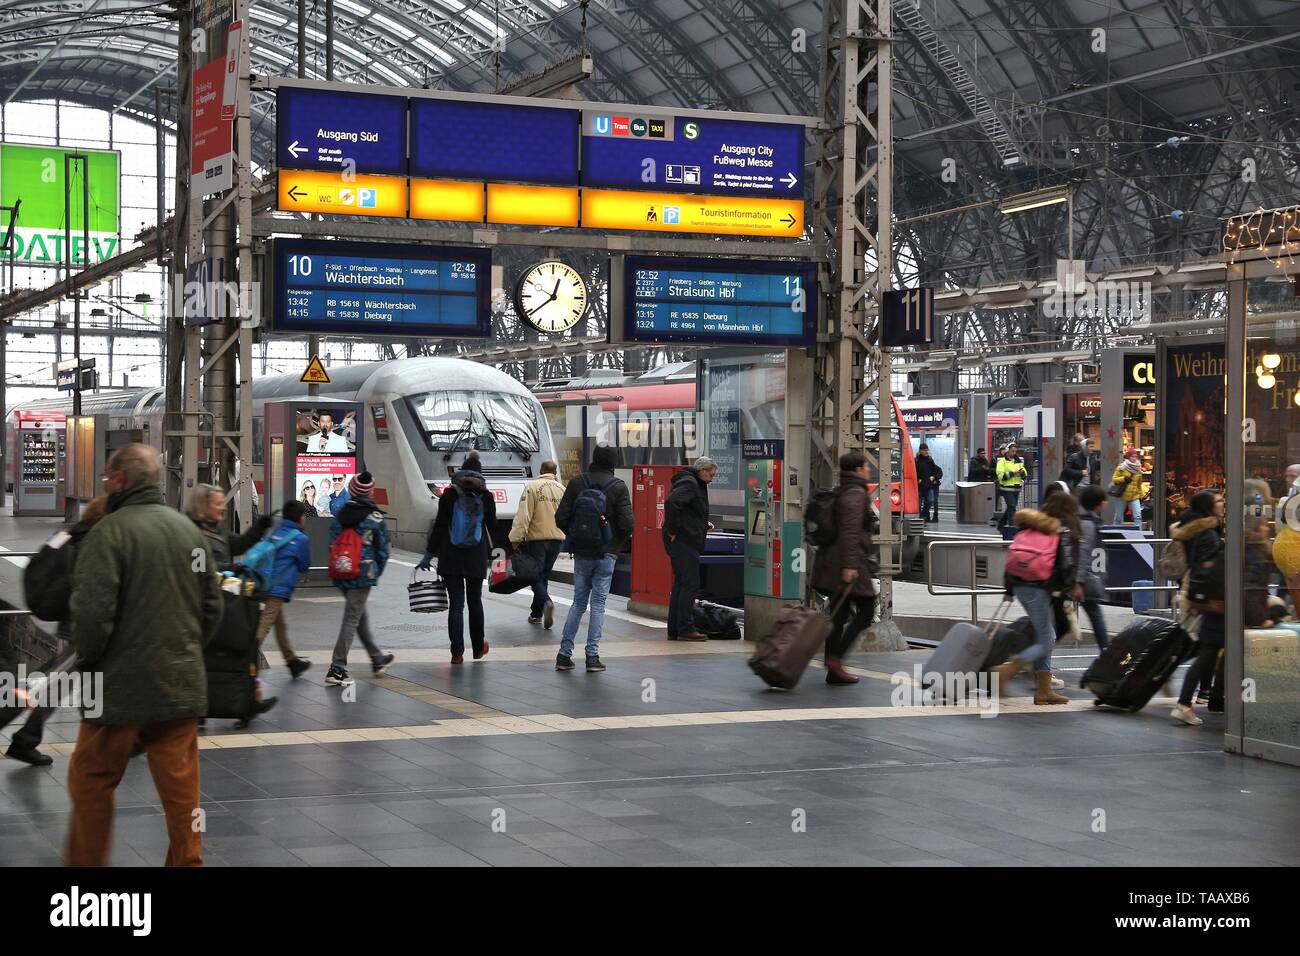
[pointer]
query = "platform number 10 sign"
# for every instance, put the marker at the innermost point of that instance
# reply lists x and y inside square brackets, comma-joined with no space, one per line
[907,318]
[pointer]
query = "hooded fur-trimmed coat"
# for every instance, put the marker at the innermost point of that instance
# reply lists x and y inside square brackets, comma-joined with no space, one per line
[1063,572]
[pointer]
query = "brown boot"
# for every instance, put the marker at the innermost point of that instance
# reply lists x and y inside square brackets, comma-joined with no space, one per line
[1005,672]
[1043,693]
[836,674]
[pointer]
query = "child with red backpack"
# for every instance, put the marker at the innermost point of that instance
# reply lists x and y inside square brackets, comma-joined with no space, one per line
[359,543]
[1040,566]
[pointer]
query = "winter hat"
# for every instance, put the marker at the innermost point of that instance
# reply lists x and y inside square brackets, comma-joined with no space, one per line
[472,462]
[1133,453]
[923,447]
[360,486]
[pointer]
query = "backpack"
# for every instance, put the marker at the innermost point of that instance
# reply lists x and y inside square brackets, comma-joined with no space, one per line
[819,524]
[1173,561]
[345,556]
[47,579]
[259,560]
[1032,555]
[466,520]
[589,530]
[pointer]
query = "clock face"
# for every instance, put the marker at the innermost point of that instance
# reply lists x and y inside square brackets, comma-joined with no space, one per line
[552,297]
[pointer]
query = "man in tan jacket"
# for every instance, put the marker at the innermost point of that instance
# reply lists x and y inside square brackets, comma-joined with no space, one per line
[536,534]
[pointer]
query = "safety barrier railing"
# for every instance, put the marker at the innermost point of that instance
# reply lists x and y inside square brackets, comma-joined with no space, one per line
[17,611]
[975,592]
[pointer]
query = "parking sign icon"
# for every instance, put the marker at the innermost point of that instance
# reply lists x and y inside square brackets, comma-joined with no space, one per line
[368,198]
[672,215]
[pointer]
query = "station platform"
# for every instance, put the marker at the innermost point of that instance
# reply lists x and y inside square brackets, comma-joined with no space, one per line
[507,762]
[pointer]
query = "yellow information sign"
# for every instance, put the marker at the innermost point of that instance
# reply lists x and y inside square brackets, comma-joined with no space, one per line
[302,191]
[680,212]
[446,199]
[315,374]
[532,205]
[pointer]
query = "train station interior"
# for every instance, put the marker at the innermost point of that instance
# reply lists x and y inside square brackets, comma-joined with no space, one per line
[776,433]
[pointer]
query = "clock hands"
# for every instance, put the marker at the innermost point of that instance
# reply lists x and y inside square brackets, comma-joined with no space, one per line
[555,294]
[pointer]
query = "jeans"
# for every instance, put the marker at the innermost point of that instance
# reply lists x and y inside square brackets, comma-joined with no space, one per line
[855,615]
[591,580]
[686,586]
[1093,610]
[98,764]
[544,553]
[1038,605]
[1012,498]
[355,624]
[929,504]
[459,592]
[1135,504]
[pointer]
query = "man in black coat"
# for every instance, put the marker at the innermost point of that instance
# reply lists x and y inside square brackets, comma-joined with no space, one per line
[981,469]
[686,528]
[928,476]
[593,561]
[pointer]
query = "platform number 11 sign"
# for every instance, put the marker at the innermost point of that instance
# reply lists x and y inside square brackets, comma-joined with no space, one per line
[907,318]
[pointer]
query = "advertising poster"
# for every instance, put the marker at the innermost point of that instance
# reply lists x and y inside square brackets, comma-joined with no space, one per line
[326,456]
[1194,422]
[743,401]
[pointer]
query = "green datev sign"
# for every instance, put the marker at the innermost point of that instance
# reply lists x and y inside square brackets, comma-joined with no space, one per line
[34,174]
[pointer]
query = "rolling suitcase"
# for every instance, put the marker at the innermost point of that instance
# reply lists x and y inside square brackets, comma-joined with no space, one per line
[1141,658]
[783,655]
[231,660]
[963,650]
[1008,641]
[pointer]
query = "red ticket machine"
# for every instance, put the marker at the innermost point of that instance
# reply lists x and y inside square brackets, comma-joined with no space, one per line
[652,572]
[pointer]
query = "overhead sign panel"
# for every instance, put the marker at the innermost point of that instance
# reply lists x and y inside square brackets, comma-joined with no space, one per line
[361,288]
[627,150]
[713,301]
[302,191]
[324,129]
[502,142]
[666,212]
[33,175]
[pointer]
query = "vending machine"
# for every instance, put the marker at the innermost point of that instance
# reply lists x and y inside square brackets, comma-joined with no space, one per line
[40,454]
[312,448]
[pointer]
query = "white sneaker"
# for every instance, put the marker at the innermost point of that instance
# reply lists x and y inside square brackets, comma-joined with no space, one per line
[1186,715]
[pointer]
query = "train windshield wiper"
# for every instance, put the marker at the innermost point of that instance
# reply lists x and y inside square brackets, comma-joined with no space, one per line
[513,445]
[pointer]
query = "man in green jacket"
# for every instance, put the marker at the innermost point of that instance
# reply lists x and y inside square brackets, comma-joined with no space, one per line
[145,600]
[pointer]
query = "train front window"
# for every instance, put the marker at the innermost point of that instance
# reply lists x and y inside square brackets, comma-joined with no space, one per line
[462,421]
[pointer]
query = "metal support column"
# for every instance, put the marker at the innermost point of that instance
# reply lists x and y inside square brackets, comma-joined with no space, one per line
[248,299]
[852,210]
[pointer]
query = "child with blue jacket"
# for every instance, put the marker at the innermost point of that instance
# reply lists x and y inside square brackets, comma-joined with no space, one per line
[292,561]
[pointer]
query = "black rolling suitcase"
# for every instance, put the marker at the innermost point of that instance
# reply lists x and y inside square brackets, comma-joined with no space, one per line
[231,660]
[1138,661]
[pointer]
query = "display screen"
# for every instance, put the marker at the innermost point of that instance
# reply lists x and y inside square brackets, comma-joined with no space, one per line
[325,129]
[382,289]
[719,301]
[494,141]
[692,154]
[326,445]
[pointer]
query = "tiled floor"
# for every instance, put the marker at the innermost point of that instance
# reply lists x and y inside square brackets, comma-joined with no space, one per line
[675,756]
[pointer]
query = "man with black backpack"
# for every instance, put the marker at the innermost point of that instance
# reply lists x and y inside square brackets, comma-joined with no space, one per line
[596,516]
[686,527]
[460,538]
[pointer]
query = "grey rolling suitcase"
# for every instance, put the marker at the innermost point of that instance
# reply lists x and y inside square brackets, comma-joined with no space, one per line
[963,650]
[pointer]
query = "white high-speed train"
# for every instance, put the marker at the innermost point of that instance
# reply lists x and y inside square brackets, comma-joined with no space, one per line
[437,411]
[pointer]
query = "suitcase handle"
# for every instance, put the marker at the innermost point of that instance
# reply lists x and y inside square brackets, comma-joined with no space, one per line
[998,617]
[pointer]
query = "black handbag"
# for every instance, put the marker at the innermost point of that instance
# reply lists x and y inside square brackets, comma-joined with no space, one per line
[513,573]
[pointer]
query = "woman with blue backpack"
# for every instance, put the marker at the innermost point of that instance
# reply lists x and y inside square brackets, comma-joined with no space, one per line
[460,539]
[1040,567]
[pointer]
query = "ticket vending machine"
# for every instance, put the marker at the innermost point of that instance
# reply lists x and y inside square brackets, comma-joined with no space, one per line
[311,449]
[773,545]
[40,454]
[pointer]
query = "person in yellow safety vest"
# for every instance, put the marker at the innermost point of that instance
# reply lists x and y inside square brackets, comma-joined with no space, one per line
[1011,474]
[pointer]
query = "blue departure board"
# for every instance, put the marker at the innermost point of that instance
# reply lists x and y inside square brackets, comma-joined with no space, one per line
[725,157]
[718,301]
[324,129]
[500,142]
[381,289]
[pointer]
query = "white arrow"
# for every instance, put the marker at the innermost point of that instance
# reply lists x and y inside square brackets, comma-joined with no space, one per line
[789,180]
[295,149]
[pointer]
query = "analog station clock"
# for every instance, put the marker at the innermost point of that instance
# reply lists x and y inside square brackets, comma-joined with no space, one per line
[552,296]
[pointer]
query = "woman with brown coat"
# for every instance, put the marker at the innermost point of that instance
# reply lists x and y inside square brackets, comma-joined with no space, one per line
[848,563]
